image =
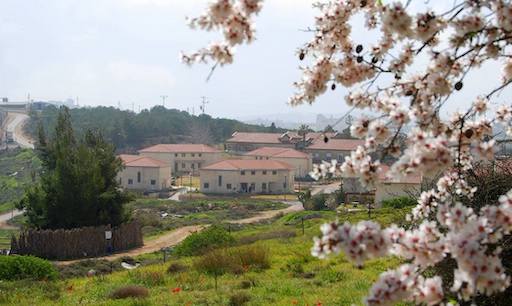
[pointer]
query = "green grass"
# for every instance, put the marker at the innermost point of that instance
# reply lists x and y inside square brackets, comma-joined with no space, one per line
[334,281]
[204,211]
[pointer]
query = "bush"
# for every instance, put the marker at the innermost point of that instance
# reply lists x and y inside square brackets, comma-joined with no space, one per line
[176,267]
[280,234]
[148,278]
[21,267]
[198,243]
[239,299]
[399,202]
[130,292]
[216,263]
[253,257]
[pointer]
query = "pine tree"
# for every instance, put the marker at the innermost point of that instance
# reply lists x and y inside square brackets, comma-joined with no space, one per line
[78,183]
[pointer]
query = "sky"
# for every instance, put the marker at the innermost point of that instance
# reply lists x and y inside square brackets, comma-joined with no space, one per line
[110,51]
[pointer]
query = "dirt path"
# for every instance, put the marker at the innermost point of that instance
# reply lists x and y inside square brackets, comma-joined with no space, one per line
[6,217]
[178,235]
[15,124]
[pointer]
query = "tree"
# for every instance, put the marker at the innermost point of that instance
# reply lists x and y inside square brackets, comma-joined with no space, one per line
[78,181]
[385,79]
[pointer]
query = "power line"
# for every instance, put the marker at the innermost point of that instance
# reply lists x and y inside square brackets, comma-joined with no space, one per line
[203,104]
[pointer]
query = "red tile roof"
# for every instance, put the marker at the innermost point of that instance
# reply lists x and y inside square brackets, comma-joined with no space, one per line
[277,152]
[248,164]
[409,179]
[255,137]
[180,148]
[141,161]
[336,144]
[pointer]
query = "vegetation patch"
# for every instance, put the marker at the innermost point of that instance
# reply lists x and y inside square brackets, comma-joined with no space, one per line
[399,202]
[130,292]
[26,267]
[198,243]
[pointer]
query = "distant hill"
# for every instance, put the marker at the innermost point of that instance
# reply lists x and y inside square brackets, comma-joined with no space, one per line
[130,131]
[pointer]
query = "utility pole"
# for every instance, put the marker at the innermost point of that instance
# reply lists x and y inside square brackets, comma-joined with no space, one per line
[163,99]
[119,105]
[203,104]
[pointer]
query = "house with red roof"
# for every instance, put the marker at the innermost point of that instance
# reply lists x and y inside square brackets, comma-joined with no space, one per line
[184,158]
[242,176]
[144,173]
[321,146]
[300,161]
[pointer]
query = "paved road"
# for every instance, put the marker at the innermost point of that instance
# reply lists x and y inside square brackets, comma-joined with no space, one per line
[15,124]
[178,235]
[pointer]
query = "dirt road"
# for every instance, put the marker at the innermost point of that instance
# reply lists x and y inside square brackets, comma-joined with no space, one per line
[6,217]
[178,235]
[15,124]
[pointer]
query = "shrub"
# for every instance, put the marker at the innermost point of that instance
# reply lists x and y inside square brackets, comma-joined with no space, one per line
[21,267]
[198,243]
[216,263]
[399,202]
[80,268]
[148,278]
[130,292]
[239,299]
[176,267]
[253,257]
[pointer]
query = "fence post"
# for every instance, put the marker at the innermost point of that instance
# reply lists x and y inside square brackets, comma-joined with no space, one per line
[302,220]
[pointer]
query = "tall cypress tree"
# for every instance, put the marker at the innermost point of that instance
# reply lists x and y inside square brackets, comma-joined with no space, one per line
[78,182]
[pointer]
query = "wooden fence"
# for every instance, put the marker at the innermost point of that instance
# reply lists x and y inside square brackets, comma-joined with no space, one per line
[77,243]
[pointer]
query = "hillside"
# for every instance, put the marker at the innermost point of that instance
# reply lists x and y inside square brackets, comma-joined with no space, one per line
[18,168]
[130,131]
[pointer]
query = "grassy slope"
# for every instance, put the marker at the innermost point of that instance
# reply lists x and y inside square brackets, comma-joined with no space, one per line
[335,281]
[16,167]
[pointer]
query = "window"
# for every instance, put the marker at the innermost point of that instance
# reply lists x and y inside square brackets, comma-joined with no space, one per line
[183,165]
[193,166]
[253,172]
[228,186]
[175,154]
[256,158]
[316,154]
[220,180]
[153,182]
[206,185]
[328,155]
[183,154]
[264,172]
[130,182]
[138,177]
[274,172]
[199,154]
[242,172]
[267,157]
[193,155]
[263,186]
[175,166]
[340,157]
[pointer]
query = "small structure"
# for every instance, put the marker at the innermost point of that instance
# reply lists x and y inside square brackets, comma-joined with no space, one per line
[184,158]
[388,188]
[300,161]
[144,173]
[247,176]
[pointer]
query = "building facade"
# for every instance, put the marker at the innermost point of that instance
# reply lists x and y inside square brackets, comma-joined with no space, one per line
[300,161]
[144,173]
[334,148]
[184,158]
[239,176]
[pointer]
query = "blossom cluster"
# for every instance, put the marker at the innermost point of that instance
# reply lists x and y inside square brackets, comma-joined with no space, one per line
[405,117]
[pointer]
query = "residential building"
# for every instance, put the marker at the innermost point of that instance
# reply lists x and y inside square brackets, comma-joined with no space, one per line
[334,148]
[247,176]
[300,161]
[144,173]
[241,142]
[184,158]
